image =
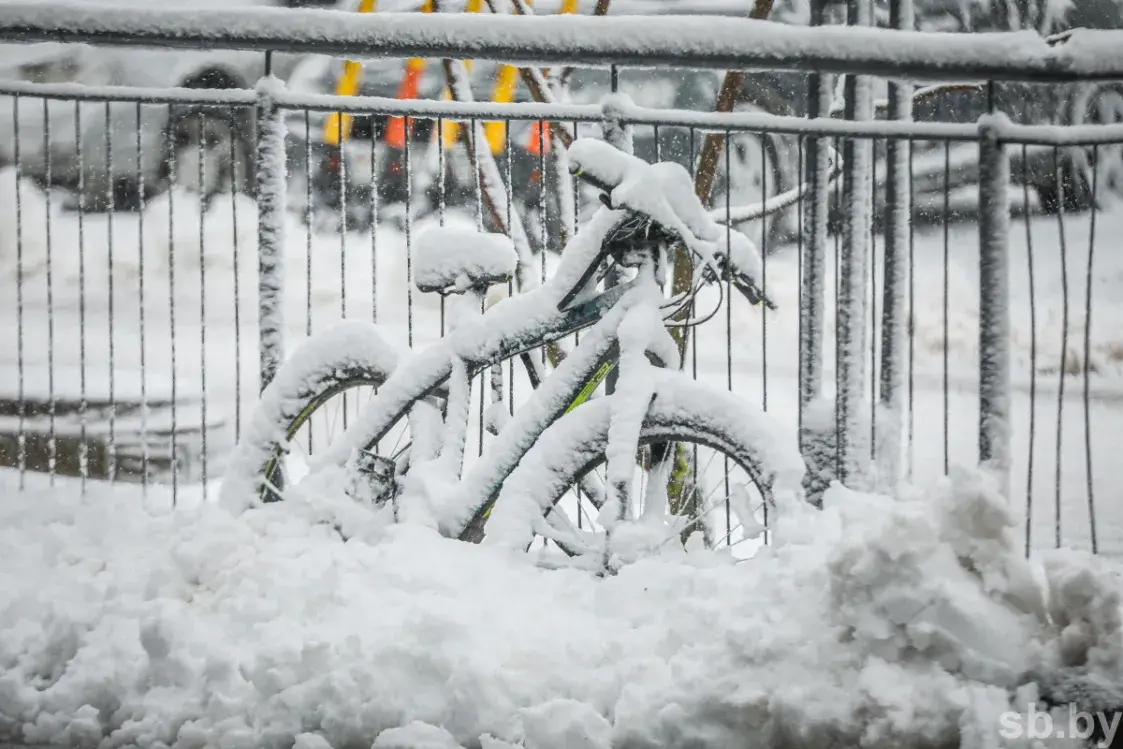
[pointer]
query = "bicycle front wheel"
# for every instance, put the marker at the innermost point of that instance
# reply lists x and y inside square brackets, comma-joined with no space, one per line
[707,458]
[315,395]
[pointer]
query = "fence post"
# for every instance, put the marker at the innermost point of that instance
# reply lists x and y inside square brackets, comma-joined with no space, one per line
[271,188]
[994,302]
[851,406]
[898,214]
[816,435]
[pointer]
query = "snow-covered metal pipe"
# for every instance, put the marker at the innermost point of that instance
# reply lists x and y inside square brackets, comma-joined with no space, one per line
[701,42]
[813,286]
[994,301]
[853,276]
[271,190]
[814,259]
[898,214]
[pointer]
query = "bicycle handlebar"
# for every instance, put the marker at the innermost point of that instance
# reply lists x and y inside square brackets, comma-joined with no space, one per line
[727,269]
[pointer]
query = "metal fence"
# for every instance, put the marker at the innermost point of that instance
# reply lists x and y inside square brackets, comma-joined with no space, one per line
[936,303]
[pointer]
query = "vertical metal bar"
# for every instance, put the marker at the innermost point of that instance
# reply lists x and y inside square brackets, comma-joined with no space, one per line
[173,181]
[52,406]
[728,319]
[872,296]
[693,300]
[1062,370]
[994,304]
[693,344]
[898,218]
[764,224]
[374,187]
[21,437]
[203,206]
[308,208]
[511,282]
[945,311]
[814,262]
[1032,437]
[111,452]
[475,145]
[1088,280]
[83,402]
[408,169]
[141,208]
[853,262]
[271,179]
[577,211]
[911,418]
[836,261]
[343,187]
[343,227]
[441,201]
[237,289]
[801,155]
[543,208]
[478,177]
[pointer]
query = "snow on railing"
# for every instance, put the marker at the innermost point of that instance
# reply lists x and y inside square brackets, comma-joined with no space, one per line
[684,41]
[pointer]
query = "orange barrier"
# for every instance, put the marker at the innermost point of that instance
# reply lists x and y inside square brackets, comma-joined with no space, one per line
[337,126]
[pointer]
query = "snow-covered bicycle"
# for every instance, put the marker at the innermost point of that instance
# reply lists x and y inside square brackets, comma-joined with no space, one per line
[599,478]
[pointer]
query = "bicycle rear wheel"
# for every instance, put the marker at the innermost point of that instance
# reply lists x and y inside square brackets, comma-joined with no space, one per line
[731,464]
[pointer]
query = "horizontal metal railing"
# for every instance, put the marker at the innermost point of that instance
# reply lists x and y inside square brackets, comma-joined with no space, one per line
[683,41]
[1009,132]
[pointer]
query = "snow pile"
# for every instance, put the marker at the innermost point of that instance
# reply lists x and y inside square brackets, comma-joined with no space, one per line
[886,622]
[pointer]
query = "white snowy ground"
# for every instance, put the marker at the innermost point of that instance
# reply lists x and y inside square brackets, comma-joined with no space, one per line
[894,623]
[188,625]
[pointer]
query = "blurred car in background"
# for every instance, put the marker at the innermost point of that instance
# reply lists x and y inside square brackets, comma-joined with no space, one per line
[122,145]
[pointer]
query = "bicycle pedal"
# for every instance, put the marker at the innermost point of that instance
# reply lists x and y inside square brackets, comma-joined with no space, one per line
[374,479]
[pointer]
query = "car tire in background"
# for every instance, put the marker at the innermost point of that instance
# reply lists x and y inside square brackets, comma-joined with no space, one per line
[221,139]
[208,153]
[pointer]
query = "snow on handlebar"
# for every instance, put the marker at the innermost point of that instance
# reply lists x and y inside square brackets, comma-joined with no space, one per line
[665,193]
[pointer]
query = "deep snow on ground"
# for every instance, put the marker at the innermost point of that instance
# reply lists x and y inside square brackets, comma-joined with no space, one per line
[893,622]
[183,254]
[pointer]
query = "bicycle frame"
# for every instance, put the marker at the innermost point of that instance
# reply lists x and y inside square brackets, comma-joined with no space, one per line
[512,327]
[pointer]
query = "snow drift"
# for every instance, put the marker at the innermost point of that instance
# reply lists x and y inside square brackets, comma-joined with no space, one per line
[886,622]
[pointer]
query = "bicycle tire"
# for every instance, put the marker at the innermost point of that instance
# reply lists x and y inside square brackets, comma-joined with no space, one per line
[349,355]
[681,410]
